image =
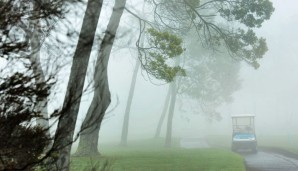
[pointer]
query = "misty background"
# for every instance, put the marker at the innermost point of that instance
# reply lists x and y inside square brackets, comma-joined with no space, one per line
[270,92]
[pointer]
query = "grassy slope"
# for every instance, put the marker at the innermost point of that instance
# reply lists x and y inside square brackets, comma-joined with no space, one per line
[148,156]
[283,142]
[289,143]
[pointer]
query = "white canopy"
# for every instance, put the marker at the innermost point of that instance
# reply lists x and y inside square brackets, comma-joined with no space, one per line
[243,115]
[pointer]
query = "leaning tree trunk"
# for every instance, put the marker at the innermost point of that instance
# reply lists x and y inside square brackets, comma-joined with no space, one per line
[128,105]
[168,141]
[163,114]
[101,100]
[67,119]
[174,86]
[125,125]
[35,39]
[42,105]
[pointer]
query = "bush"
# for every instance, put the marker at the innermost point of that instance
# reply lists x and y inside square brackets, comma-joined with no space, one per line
[21,142]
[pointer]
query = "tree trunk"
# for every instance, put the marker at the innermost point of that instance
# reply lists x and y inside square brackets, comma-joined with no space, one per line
[88,145]
[125,126]
[38,73]
[67,119]
[101,99]
[168,141]
[163,115]
[100,102]
[128,105]
[39,77]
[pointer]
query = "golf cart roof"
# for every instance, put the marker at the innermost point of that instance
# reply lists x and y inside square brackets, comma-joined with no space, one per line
[243,115]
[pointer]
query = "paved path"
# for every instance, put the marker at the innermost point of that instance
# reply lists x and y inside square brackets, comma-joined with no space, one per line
[194,143]
[261,161]
[264,161]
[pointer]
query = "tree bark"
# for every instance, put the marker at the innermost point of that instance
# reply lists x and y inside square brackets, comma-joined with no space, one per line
[128,105]
[168,141]
[40,78]
[163,114]
[101,99]
[35,39]
[67,119]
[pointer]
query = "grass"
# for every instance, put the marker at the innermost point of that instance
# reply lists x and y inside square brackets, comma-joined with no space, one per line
[148,156]
[288,143]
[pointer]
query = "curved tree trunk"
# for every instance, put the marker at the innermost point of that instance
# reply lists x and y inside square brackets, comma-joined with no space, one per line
[101,100]
[163,114]
[35,39]
[67,120]
[40,78]
[168,141]
[128,105]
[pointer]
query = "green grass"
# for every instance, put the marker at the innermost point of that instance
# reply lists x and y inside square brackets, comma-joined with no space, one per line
[151,157]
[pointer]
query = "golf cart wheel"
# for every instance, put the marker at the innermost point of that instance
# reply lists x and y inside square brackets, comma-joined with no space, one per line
[255,150]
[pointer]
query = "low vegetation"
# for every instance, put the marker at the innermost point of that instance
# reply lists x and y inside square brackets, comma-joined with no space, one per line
[142,156]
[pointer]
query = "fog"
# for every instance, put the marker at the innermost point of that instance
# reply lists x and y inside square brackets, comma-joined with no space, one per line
[158,75]
[269,92]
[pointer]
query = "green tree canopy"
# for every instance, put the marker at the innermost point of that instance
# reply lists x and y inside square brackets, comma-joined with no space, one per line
[158,56]
[219,23]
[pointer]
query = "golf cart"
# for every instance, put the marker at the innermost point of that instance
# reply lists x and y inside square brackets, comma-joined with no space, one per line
[244,136]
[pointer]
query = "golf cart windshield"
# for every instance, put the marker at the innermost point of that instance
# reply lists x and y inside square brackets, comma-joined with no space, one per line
[243,124]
